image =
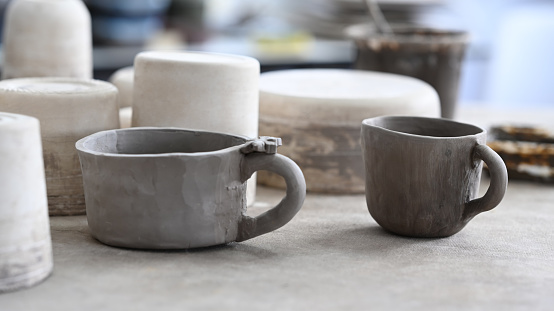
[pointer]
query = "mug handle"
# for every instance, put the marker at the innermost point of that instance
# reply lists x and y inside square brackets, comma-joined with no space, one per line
[283,212]
[498,184]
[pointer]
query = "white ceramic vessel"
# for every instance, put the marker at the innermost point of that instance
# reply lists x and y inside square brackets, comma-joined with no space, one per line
[47,38]
[68,109]
[123,80]
[25,245]
[125,115]
[318,112]
[193,90]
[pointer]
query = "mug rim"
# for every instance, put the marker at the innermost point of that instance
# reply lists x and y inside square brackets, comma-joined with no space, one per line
[481,131]
[407,34]
[80,145]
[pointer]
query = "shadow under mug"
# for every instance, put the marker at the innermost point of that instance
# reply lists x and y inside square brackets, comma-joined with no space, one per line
[170,188]
[423,174]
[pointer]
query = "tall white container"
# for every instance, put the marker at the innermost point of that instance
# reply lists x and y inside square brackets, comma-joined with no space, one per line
[25,244]
[47,38]
[204,91]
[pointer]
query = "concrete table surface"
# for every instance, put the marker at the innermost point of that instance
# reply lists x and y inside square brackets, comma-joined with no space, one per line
[331,256]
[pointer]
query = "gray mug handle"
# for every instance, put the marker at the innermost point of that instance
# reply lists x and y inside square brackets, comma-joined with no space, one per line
[498,184]
[281,214]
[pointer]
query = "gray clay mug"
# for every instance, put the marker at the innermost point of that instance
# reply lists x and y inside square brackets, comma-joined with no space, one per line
[423,174]
[169,188]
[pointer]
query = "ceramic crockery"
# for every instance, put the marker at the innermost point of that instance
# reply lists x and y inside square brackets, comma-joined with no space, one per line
[25,245]
[319,112]
[423,174]
[204,91]
[169,188]
[47,38]
[432,55]
[68,109]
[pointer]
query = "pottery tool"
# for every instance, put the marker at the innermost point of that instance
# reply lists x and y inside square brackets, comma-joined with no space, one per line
[379,19]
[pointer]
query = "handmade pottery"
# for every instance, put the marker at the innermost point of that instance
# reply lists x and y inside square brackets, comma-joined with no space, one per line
[423,174]
[203,91]
[125,115]
[47,38]
[123,80]
[25,245]
[169,188]
[318,113]
[432,55]
[68,109]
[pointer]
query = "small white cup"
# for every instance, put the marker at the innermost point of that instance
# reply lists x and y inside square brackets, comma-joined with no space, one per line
[25,245]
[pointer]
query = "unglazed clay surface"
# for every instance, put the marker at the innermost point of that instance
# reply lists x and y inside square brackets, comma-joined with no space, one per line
[422,174]
[125,115]
[318,113]
[168,188]
[68,110]
[25,245]
[44,38]
[202,91]
[123,79]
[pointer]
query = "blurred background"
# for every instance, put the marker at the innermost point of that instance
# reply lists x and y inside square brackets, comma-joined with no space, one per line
[508,61]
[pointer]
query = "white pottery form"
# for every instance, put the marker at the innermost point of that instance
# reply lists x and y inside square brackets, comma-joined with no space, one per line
[25,244]
[318,112]
[123,80]
[170,188]
[203,91]
[47,38]
[68,110]
[125,115]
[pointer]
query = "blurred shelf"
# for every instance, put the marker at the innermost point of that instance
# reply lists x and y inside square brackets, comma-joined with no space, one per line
[316,52]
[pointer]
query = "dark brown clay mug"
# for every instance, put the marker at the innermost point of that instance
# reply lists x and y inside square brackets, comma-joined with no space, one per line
[423,174]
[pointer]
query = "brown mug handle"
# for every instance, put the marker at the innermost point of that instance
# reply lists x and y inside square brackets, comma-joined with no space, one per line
[281,214]
[498,184]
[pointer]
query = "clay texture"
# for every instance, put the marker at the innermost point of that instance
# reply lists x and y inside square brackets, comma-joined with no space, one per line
[317,113]
[25,245]
[123,79]
[47,38]
[422,174]
[68,110]
[167,188]
[202,91]
[125,115]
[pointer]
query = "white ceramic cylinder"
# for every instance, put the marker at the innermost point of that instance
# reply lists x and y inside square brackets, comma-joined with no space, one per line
[193,90]
[123,80]
[318,113]
[25,244]
[47,38]
[125,115]
[68,110]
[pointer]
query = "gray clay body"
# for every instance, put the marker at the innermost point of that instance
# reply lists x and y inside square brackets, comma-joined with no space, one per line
[167,188]
[423,174]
